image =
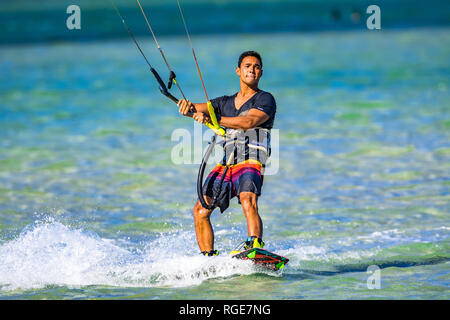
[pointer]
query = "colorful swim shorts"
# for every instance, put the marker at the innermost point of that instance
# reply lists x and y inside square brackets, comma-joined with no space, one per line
[245,176]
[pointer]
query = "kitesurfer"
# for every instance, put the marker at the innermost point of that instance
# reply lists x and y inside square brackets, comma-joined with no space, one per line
[248,117]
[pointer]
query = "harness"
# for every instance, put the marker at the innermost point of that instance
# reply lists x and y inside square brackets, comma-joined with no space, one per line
[233,140]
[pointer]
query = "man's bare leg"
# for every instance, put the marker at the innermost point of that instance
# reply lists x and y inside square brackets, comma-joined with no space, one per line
[203,228]
[249,202]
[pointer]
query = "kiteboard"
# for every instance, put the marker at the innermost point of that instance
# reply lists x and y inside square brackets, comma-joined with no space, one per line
[263,258]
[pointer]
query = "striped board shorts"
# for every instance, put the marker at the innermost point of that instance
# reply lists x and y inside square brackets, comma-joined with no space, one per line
[245,176]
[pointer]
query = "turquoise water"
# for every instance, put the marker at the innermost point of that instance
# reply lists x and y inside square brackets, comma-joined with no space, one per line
[92,205]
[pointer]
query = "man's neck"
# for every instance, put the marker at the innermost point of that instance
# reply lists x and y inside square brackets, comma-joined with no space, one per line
[247,91]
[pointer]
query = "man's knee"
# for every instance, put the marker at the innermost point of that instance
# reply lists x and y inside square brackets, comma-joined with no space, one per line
[200,212]
[248,199]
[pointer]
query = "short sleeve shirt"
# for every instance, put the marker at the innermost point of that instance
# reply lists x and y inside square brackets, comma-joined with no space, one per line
[262,100]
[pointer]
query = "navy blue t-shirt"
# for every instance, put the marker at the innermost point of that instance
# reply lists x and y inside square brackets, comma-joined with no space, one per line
[224,106]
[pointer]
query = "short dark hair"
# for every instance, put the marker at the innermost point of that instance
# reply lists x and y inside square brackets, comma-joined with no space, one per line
[249,54]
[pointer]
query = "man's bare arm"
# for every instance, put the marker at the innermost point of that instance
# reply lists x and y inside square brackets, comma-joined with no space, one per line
[201,107]
[253,119]
[186,106]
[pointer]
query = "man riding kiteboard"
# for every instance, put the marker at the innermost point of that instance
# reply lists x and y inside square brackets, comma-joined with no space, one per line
[248,116]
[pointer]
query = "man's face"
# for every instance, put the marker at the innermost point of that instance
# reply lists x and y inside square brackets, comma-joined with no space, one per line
[250,70]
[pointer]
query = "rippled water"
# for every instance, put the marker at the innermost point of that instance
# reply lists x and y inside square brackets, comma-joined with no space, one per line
[92,206]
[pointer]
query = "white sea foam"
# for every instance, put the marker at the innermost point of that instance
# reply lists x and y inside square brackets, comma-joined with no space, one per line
[385,235]
[51,253]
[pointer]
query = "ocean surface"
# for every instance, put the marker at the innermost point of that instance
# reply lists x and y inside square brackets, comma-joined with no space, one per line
[93,204]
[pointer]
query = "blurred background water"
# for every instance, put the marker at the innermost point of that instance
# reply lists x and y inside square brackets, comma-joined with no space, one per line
[92,205]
